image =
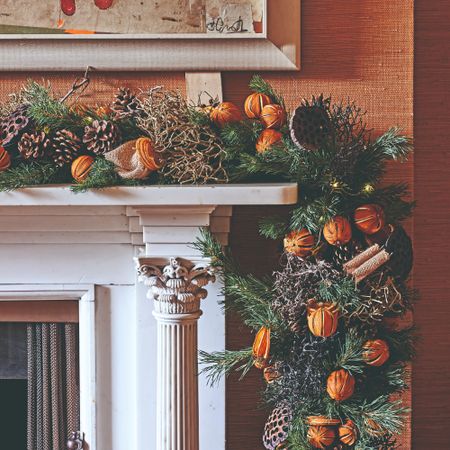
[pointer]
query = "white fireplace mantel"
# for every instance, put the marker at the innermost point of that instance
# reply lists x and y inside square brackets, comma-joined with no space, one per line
[92,238]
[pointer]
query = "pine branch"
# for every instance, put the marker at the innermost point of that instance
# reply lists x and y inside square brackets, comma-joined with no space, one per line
[32,174]
[391,198]
[388,414]
[103,175]
[370,165]
[249,296]
[272,164]
[219,364]
[315,214]
[402,344]
[393,145]
[274,227]
[258,84]
[342,291]
[350,354]
[48,112]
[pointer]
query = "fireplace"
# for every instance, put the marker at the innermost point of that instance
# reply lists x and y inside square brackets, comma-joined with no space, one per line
[39,374]
[83,248]
[13,385]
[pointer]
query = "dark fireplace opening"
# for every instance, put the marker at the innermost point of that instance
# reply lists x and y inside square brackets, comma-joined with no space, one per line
[39,384]
[13,386]
[13,414]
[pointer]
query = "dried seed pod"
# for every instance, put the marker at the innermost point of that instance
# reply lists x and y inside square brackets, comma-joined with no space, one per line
[277,427]
[310,127]
[340,385]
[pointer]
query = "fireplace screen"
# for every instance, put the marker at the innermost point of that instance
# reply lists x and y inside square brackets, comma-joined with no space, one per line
[39,375]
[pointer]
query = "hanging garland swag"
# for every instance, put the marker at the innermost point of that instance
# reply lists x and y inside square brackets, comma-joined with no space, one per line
[325,340]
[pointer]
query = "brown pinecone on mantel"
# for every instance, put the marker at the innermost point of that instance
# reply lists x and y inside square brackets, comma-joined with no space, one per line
[34,145]
[66,147]
[125,105]
[101,136]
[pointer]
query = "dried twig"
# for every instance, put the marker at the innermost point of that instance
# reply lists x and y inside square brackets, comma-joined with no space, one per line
[191,153]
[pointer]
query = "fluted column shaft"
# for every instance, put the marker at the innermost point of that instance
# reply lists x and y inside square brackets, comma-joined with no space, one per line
[177,386]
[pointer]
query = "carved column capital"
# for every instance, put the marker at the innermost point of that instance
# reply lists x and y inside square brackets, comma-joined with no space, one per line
[176,285]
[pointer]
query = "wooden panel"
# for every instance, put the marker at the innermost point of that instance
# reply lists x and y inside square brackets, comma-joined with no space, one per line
[41,311]
[431,380]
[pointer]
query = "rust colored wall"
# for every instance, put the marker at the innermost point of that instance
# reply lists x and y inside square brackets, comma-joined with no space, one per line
[431,380]
[357,49]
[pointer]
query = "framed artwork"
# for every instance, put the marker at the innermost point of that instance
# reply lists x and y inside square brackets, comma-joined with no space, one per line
[185,35]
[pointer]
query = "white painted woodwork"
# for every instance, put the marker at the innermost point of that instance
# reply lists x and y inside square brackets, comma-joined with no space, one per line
[278,49]
[209,83]
[176,286]
[50,236]
[219,194]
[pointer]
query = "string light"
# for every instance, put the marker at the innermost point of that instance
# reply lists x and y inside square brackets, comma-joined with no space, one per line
[336,185]
[368,188]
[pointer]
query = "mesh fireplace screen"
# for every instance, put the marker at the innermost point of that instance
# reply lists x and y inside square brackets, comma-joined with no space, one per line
[53,384]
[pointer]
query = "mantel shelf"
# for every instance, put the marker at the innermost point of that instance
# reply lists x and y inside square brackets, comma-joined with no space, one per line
[224,194]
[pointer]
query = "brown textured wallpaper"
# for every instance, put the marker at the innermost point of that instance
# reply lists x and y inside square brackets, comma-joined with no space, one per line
[355,49]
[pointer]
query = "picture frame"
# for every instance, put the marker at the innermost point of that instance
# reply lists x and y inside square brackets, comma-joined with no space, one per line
[277,47]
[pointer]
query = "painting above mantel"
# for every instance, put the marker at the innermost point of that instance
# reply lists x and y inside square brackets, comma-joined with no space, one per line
[214,35]
[220,18]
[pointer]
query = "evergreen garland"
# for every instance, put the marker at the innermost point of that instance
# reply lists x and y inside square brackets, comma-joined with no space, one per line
[327,149]
[334,179]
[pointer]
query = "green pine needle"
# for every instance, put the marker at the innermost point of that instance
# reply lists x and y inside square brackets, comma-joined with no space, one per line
[274,227]
[103,175]
[31,174]
[258,84]
[220,364]
[49,112]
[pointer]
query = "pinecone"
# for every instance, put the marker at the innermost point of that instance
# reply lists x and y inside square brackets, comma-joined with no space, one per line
[34,145]
[126,104]
[344,253]
[101,136]
[12,125]
[310,126]
[66,147]
[277,427]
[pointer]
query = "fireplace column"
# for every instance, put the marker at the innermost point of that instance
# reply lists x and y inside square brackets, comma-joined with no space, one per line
[176,287]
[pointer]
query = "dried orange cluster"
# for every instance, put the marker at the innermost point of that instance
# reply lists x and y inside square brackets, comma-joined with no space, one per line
[257,106]
[369,219]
